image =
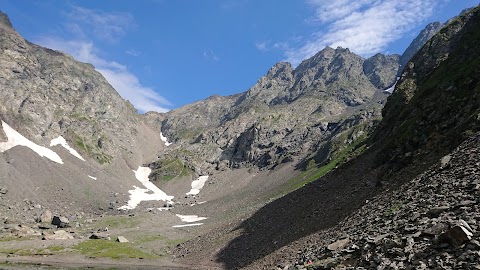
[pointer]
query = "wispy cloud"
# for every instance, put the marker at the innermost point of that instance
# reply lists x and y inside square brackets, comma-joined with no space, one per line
[133,52]
[126,83]
[364,26]
[262,46]
[210,55]
[106,26]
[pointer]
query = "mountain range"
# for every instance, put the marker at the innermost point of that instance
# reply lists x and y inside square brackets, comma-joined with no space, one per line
[275,177]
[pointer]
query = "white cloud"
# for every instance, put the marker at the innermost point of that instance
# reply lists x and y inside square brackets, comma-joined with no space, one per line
[127,84]
[133,52]
[210,55]
[108,26]
[364,26]
[262,46]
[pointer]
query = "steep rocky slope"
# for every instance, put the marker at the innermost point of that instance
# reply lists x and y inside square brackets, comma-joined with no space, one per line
[435,103]
[425,35]
[396,205]
[46,93]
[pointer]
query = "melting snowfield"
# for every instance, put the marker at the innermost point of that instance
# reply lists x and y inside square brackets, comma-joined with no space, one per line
[190,218]
[61,141]
[17,139]
[197,185]
[164,139]
[149,193]
[187,225]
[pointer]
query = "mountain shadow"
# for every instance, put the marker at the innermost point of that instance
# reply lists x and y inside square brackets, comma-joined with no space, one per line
[434,108]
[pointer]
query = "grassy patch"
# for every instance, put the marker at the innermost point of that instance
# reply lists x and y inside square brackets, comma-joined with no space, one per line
[169,168]
[35,251]
[90,147]
[314,172]
[111,249]
[393,209]
[117,222]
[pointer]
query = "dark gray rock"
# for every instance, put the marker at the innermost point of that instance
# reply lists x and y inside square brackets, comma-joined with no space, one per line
[60,222]
[100,235]
[456,236]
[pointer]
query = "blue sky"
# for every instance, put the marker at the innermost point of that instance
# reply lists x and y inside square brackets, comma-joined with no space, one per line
[162,54]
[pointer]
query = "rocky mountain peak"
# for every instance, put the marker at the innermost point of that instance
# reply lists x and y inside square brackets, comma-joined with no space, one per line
[381,69]
[427,33]
[281,70]
[4,20]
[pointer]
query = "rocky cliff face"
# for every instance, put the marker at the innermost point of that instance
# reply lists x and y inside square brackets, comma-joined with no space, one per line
[289,114]
[46,93]
[435,104]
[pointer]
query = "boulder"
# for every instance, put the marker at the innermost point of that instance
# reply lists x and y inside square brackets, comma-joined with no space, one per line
[100,235]
[445,162]
[456,236]
[60,222]
[45,217]
[122,239]
[58,235]
[436,211]
[340,244]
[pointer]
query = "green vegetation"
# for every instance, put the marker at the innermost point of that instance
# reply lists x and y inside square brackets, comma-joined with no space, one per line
[393,209]
[35,251]
[92,149]
[117,222]
[169,168]
[314,172]
[111,249]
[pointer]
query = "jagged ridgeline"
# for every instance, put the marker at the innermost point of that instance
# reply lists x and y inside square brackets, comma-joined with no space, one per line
[312,112]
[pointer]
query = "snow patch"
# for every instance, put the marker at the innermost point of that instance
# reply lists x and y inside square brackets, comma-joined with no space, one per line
[151,193]
[92,177]
[392,88]
[164,139]
[17,139]
[187,225]
[190,218]
[197,185]
[61,141]
[193,204]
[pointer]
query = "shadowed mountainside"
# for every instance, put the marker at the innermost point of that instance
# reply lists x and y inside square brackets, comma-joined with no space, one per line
[435,106]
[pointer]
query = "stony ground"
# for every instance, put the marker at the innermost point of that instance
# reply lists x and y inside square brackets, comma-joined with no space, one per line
[352,222]
[432,222]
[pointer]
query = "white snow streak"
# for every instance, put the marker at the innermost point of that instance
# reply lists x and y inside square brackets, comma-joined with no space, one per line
[164,139]
[61,141]
[190,218]
[197,185]
[17,139]
[151,193]
[392,88]
[187,225]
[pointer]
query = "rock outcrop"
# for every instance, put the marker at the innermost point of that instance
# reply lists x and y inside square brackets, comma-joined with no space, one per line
[289,114]
[47,93]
